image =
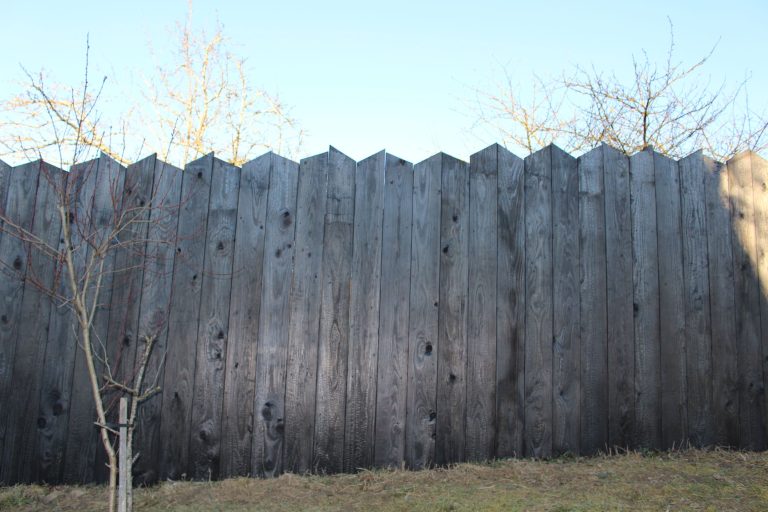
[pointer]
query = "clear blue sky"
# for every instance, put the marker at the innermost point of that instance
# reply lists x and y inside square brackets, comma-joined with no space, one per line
[396,75]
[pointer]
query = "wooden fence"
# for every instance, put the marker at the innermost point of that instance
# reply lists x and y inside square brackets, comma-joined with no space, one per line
[332,315]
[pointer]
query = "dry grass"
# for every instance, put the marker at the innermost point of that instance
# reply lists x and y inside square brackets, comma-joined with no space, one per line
[690,480]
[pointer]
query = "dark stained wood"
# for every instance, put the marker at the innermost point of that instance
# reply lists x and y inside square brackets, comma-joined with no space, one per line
[334,319]
[364,313]
[23,421]
[23,341]
[306,292]
[747,303]
[725,392]
[213,323]
[244,314]
[392,371]
[107,209]
[538,304]
[62,349]
[594,310]
[271,359]
[645,280]
[452,315]
[155,308]
[674,420]
[510,306]
[178,378]
[328,316]
[84,455]
[698,334]
[129,271]
[567,235]
[424,303]
[619,308]
[121,340]
[480,429]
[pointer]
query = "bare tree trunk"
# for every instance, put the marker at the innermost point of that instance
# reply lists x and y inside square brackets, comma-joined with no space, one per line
[122,488]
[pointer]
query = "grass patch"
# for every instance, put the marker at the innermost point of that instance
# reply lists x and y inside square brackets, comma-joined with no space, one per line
[715,480]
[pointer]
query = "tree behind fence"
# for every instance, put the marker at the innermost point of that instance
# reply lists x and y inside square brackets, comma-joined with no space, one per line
[332,315]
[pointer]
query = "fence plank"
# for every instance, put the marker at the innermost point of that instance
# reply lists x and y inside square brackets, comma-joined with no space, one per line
[423,317]
[84,454]
[178,379]
[698,335]
[594,320]
[747,303]
[29,364]
[452,321]
[269,408]
[674,421]
[538,303]
[155,310]
[646,292]
[22,350]
[213,323]
[58,387]
[244,314]
[725,399]
[121,340]
[300,389]
[129,270]
[363,313]
[566,342]
[334,320]
[480,428]
[619,298]
[760,190]
[510,306]
[107,206]
[392,364]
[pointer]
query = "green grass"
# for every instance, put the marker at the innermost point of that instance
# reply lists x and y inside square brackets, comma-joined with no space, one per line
[716,480]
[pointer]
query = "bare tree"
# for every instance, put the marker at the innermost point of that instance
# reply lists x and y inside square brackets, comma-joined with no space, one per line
[668,105]
[200,99]
[98,222]
[206,102]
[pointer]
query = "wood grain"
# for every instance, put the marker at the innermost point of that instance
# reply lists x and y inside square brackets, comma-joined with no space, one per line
[364,313]
[510,306]
[480,429]
[725,376]
[424,296]
[567,237]
[306,292]
[333,346]
[645,280]
[674,420]
[747,304]
[244,315]
[271,359]
[619,299]
[392,364]
[594,305]
[698,334]
[84,454]
[452,320]
[213,323]
[179,375]
[154,315]
[19,410]
[538,304]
